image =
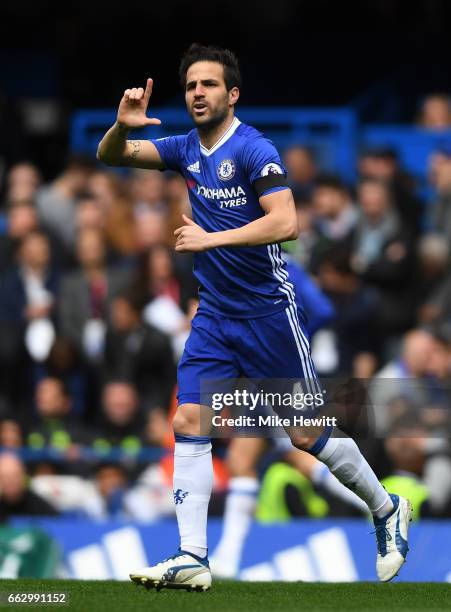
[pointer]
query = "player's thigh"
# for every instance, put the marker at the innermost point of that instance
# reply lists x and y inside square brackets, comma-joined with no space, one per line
[277,347]
[243,455]
[207,357]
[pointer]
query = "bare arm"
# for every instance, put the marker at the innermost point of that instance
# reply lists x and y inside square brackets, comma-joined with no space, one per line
[115,149]
[278,224]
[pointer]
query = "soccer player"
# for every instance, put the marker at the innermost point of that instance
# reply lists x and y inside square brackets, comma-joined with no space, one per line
[247,324]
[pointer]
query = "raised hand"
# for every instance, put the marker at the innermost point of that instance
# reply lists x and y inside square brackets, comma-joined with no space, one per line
[133,107]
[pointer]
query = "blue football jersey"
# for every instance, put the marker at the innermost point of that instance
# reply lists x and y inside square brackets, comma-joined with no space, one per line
[241,282]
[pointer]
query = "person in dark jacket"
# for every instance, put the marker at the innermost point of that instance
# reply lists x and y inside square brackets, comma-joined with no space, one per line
[138,352]
[15,497]
[27,304]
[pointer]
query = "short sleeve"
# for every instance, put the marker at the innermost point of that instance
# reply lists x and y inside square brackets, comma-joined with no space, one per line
[170,150]
[263,166]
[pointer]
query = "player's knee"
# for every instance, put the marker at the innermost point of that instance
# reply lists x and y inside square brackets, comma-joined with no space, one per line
[302,442]
[186,421]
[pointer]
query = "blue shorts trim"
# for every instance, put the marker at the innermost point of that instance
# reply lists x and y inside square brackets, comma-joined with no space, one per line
[188,398]
[321,441]
[192,439]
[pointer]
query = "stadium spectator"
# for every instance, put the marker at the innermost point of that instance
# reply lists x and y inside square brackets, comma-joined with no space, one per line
[111,481]
[158,276]
[89,214]
[11,435]
[382,254]
[147,187]
[383,164]
[301,170]
[120,422]
[56,201]
[436,414]
[406,378]
[440,177]
[21,220]
[421,467]
[350,334]
[111,196]
[435,112]
[22,182]
[86,294]
[30,287]
[165,292]
[138,352]
[437,308]
[54,426]
[27,304]
[15,497]
[151,228]
[433,268]
[335,216]
[377,224]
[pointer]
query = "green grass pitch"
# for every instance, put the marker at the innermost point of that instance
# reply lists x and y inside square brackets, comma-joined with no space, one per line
[114,596]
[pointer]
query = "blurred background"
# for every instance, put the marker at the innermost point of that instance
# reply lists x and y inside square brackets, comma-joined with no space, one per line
[95,306]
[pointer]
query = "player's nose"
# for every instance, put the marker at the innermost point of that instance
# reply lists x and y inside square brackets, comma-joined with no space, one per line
[199,91]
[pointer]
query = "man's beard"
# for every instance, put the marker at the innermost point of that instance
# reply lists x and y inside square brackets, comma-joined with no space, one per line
[215,119]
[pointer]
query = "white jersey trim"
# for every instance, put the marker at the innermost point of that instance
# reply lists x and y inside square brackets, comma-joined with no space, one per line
[224,138]
[302,343]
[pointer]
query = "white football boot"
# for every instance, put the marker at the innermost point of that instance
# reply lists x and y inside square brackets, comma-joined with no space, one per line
[182,571]
[391,535]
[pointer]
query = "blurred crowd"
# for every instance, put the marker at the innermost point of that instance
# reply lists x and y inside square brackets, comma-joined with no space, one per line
[95,308]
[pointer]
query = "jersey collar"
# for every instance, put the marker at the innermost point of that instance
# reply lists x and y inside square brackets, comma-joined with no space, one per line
[224,138]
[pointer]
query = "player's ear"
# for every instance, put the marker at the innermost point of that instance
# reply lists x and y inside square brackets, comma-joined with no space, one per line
[234,94]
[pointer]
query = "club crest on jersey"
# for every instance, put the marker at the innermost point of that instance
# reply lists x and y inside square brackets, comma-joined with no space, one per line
[226,170]
[271,169]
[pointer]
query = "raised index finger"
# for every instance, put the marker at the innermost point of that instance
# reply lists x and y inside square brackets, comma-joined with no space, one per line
[148,90]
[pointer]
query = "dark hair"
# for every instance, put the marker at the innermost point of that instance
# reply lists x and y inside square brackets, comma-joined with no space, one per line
[339,259]
[202,53]
[80,162]
[373,180]
[385,153]
[304,148]
[134,298]
[332,181]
